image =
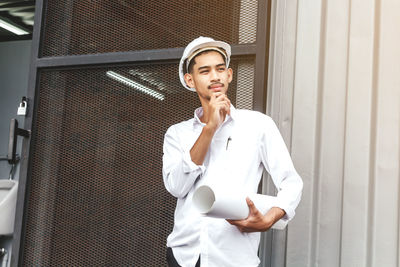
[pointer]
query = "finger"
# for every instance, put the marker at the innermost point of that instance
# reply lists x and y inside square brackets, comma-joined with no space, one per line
[228,107]
[236,222]
[221,96]
[224,97]
[214,96]
[218,95]
[251,205]
[223,103]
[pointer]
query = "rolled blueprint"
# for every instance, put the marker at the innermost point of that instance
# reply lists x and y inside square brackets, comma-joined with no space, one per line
[233,205]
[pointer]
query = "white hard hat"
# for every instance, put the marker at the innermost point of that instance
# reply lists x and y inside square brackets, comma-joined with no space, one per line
[198,45]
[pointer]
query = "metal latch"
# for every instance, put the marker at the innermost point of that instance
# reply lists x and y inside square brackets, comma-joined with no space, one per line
[12,143]
[22,107]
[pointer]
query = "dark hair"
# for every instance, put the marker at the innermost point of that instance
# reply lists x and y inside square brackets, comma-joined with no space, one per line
[193,61]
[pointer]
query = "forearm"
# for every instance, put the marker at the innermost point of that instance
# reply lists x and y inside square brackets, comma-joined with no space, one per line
[200,148]
[272,216]
[277,161]
[179,171]
[180,177]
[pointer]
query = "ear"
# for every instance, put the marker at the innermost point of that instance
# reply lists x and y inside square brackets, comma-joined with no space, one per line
[189,80]
[230,75]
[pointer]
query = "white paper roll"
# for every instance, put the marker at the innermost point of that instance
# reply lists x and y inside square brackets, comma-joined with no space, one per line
[213,203]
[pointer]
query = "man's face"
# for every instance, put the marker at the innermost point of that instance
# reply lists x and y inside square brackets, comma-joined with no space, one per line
[209,75]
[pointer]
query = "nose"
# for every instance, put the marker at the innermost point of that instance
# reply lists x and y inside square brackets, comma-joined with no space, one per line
[214,75]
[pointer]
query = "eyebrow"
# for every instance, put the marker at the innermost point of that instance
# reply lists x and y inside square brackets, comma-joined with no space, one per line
[207,67]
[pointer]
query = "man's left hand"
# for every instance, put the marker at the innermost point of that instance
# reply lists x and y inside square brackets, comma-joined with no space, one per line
[257,222]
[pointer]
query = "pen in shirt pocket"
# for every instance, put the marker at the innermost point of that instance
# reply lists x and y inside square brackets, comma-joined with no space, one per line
[227,142]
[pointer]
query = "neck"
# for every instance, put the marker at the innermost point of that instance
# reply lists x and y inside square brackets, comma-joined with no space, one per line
[206,108]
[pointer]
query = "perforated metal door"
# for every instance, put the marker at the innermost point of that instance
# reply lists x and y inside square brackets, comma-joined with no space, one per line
[94,193]
[97,197]
[99,26]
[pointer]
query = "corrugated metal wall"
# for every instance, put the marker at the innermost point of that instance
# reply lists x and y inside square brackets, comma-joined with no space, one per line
[334,89]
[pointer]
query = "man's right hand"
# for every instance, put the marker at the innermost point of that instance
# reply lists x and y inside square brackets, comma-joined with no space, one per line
[219,106]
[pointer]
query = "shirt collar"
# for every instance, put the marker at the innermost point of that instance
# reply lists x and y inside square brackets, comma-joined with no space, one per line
[198,113]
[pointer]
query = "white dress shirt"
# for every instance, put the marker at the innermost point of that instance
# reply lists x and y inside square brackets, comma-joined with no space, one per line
[243,145]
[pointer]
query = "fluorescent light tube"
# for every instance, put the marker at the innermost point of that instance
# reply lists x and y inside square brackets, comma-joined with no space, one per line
[10,27]
[144,89]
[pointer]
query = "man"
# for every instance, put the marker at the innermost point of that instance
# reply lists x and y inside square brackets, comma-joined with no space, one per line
[227,148]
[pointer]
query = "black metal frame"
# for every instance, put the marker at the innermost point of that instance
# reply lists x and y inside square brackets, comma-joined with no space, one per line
[259,50]
[19,230]
[16,38]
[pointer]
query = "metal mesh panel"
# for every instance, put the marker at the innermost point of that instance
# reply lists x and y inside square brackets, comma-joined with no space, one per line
[96,196]
[92,27]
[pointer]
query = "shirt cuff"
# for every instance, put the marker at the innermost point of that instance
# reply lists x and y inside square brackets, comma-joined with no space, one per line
[289,212]
[189,165]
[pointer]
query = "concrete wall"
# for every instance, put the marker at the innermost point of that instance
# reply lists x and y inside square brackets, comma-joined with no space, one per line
[14,70]
[334,89]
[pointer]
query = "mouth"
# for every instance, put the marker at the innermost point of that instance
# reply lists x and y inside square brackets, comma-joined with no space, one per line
[216,87]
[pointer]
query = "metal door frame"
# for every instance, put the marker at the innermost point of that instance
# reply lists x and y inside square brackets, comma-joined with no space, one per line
[259,50]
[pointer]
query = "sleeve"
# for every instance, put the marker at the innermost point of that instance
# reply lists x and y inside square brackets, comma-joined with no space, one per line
[276,159]
[179,171]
